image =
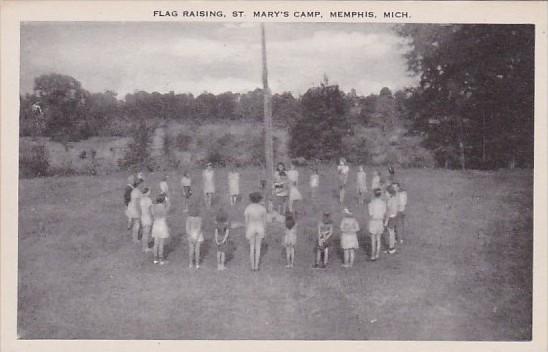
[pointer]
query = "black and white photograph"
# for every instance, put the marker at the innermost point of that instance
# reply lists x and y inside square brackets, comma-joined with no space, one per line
[257,180]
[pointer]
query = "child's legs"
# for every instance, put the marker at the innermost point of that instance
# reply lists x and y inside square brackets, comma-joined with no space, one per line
[252,252]
[155,249]
[218,257]
[146,236]
[391,237]
[373,245]
[135,226]
[377,244]
[161,241]
[258,242]
[318,256]
[346,256]
[197,253]
[190,252]
[351,257]
[325,256]
[292,254]
[223,257]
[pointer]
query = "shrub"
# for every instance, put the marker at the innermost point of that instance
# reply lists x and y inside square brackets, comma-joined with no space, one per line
[34,162]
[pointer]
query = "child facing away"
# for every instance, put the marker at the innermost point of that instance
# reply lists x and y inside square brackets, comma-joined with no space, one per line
[342,177]
[160,230]
[391,218]
[290,239]
[349,237]
[233,185]
[222,229]
[164,188]
[208,177]
[255,222]
[127,198]
[145,204]
[186,184]
[361,185]
[325,231]
[377,212]
[293,180]
[401,195]
[314,183]
[195,235]
[134,212]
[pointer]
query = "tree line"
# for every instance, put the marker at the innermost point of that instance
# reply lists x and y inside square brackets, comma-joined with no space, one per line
[473,106]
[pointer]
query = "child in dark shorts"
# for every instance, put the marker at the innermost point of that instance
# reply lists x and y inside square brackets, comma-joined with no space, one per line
[222,229]
[325,231]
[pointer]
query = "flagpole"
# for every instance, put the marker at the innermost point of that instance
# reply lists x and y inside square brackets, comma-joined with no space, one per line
[269,153]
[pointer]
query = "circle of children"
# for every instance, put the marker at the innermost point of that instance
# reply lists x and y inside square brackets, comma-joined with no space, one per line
[386,208]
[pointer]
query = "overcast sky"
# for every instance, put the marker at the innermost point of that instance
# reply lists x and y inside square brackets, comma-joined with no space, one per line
[214,57]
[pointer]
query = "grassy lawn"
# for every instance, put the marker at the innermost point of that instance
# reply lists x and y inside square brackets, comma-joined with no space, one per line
[80,277]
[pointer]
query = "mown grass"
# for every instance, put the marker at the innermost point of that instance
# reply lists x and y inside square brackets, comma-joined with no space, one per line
[464,272]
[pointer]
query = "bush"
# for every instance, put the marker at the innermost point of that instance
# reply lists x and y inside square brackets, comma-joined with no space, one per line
[34,162]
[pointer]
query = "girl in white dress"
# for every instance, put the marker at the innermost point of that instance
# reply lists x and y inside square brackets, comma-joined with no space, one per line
[208,177]
[255,223]
[134,213]
[342,174]
[349,237]
[314,183]
[160,231]
[145,204]
[294,193]
[290,239]
[361,185]
[233,185]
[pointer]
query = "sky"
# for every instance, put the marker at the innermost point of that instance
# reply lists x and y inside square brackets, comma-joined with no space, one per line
[215,57]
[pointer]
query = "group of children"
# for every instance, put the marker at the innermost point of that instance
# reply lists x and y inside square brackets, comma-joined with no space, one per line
[386,210]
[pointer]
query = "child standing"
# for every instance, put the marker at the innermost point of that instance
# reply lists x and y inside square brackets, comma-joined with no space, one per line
[325,231]
[187,190]
[391,218]
[195,235]
[145,204]
[349,237]
[233,185]
[361,185]
[133,212]
[402,203]
[377,212]
[290,239]
[255,222]
[160,231]
[127,198]
[342,173]
[164,188]
[208,176]
[280,186]
[293,178]
[376,180]
[222,229]
[314,183]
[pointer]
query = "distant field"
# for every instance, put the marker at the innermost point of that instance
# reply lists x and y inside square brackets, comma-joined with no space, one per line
[81,277]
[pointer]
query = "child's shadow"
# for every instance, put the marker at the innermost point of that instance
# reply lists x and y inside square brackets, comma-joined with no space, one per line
[173,243]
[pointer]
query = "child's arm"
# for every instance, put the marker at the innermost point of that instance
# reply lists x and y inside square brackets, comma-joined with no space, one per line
[226,235]
[217,236]
[330,233]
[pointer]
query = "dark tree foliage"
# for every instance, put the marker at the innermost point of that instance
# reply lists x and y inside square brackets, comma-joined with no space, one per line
[475,99]
[319,132]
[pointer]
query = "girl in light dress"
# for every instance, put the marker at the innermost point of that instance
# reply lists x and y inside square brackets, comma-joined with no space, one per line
[314,183]
[391,218]
[134,212]
[361,185]
[290,239]
[342,176]
[325,231]
[186,184]
[349,237]
[376,180]
[145,203]
[160,230]
[294,193]
[377,212]
[194,235]
[222,230]
[208,176]
[233,185]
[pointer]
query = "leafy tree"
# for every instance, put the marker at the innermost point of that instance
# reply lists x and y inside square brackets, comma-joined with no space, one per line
[63,102]
[475,99]
[319,132]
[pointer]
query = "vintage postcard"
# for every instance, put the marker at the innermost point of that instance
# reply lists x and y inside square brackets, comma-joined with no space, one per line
[273,175]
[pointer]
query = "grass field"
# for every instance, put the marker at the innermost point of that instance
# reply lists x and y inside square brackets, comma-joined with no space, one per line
[81,277]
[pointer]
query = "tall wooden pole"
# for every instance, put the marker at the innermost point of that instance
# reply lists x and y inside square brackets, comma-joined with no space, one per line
[268,148]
